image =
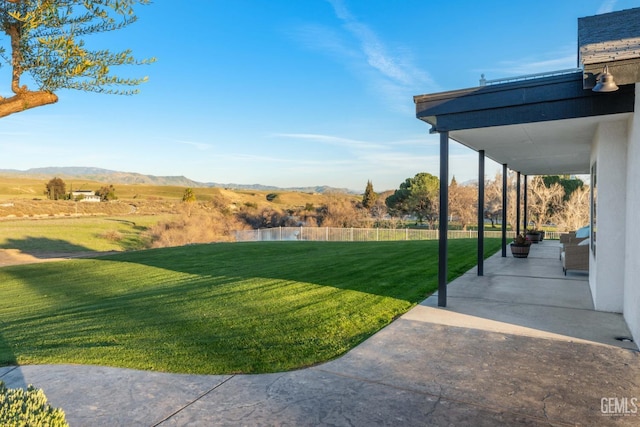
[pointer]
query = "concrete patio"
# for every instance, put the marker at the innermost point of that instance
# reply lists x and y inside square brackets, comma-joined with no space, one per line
[518,346]
[531,297]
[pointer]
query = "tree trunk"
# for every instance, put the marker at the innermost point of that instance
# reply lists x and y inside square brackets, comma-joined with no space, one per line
[26,100]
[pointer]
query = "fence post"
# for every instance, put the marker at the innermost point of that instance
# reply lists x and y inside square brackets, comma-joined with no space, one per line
[280,230]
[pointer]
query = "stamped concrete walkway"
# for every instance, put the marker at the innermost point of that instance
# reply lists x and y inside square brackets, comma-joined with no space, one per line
[519,346]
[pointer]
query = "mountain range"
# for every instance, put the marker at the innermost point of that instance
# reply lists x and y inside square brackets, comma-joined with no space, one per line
[116,177]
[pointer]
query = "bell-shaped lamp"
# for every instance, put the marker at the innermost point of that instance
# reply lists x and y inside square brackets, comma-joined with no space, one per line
[605,82]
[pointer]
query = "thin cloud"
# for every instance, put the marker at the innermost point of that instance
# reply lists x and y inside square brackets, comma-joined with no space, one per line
[247,158]
[328,139]
[562,60]
[199,145]
[388,73]
[324,39]
[417,141]
[607,6]
[397,70]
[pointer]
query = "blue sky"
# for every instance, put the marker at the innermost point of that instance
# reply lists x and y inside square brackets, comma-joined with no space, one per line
[294,93]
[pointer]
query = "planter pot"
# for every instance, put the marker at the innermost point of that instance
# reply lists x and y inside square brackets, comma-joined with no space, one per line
[534,237]
[520,251]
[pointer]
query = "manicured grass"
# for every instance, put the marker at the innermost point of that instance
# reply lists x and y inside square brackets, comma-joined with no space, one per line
[75,234]
[219,308]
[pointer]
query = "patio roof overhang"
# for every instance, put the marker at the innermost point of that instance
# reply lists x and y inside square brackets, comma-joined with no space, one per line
[537,126]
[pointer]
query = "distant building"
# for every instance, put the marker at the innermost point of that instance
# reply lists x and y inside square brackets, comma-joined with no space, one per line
[85,196]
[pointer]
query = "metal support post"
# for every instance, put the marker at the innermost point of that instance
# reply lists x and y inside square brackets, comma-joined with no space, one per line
[443,220]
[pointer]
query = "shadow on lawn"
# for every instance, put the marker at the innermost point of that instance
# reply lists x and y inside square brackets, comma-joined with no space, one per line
[169,307]
[42,247]
[401,270]
[131,224]
[9,375]
[6,354]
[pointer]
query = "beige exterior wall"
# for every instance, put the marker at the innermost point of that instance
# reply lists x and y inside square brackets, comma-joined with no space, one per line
[615,268]
[606,276]
[631,307]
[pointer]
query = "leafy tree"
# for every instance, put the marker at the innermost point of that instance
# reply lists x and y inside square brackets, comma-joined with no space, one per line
[369,198]
[189,196]
[46,40]
[55,189]
[106,193]
[421,205]
[566,182]
[416,196]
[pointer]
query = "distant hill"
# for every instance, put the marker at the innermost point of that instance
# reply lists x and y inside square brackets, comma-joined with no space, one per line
[117,177]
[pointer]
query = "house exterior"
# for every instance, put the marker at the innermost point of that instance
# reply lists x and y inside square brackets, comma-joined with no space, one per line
[85,196]
[555,123]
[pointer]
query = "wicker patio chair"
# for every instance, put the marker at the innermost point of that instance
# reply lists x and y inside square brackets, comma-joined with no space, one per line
[569,239]
[575,257]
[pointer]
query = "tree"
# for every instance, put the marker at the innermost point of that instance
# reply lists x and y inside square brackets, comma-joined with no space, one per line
[575,213]
[544,200]
[189,196]
[493,199]
[55,189]
[46,40]
[463,203]
[416,196]
[494,202]
[379,209]
[106,193]
[566,182]
[340,211]
[369,198]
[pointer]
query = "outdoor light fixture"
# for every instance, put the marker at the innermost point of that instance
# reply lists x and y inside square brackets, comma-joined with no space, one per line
[605,82]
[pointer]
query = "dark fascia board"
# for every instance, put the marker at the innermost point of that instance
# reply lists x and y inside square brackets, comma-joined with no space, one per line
[527,101]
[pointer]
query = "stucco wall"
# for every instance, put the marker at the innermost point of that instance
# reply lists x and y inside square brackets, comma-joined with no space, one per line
[632,229]
[607,271]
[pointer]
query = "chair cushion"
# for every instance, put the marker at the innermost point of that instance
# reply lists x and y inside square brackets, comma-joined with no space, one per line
[583,232]
[585,242]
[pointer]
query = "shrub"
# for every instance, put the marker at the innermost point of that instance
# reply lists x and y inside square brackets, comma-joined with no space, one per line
[200,226]
[29,407]
[271,197]
[112,235]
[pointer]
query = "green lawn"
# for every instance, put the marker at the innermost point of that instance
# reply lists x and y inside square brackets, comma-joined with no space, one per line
[218,308]
[75,234]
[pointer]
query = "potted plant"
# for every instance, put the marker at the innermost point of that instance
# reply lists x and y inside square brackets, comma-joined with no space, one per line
[520,246]
[534,235]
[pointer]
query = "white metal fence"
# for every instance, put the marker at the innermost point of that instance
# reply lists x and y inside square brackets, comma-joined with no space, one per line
[330,234]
